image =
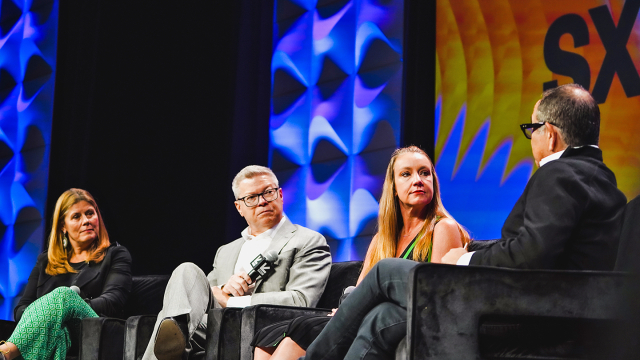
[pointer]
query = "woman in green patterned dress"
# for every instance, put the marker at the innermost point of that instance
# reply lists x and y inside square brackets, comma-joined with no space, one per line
[80,275]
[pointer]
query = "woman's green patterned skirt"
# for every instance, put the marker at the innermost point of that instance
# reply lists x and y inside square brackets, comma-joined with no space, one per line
[47,325]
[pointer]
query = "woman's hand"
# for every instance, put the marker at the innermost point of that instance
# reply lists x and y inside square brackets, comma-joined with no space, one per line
[333,312]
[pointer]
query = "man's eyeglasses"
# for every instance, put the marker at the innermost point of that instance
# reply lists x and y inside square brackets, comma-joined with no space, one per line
[529,128]
[253,200]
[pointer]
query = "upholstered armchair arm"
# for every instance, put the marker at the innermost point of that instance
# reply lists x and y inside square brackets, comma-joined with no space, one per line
[256,317]
[446,304]
[102,338]
[137,334]
[223,334]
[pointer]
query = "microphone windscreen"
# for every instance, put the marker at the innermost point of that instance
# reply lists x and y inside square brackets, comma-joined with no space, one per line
[348,289]
[271,256]
[75,289]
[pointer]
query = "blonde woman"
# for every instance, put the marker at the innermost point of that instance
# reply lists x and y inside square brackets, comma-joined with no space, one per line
[80,255]
[412,224]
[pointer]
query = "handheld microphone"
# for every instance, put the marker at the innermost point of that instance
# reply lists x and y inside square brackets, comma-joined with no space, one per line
[76,290]
[261,265]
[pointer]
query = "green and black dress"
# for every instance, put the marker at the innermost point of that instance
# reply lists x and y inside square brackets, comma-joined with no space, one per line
[49,323]
[50,312]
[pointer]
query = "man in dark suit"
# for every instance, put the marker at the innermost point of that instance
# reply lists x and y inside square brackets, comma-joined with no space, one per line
[568,217]
[570,213]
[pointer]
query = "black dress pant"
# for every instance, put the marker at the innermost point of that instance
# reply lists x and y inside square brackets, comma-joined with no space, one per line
[371,322]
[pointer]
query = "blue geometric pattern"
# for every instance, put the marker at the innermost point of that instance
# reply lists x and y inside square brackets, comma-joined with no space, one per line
[28,33]
[335,117]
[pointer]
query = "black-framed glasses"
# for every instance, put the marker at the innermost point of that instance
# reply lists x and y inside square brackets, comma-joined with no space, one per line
[253,200]
[529,128]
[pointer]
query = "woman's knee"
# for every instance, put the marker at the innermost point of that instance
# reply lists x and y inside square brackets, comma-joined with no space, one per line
[60,295]
[62,292]
[394,267]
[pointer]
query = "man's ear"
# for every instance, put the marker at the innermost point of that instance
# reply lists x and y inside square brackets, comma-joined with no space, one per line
[237,204]
[551,136]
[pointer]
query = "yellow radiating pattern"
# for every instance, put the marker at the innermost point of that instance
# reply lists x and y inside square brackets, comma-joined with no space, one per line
[490,59]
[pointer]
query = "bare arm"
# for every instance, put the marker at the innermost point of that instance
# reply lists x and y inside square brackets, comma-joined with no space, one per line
[446,236]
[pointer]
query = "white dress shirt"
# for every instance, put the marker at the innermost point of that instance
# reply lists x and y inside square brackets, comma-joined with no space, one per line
[252,247]
[466,258]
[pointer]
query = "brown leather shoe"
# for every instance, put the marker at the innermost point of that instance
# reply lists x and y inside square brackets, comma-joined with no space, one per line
[171,340]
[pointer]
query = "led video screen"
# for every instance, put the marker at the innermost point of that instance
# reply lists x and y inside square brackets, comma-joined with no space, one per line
[494,58]
[28,32]
[335,117]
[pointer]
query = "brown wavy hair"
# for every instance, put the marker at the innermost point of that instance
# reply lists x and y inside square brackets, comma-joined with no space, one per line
[59,255]
[390,219]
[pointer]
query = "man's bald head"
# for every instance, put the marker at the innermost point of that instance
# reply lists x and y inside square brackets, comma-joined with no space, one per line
[574,111]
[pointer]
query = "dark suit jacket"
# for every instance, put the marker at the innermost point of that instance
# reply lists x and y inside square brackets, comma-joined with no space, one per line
[105,285]
[568,217]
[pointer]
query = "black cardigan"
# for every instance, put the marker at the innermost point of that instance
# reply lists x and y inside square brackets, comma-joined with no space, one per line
[568,217]
[104,285]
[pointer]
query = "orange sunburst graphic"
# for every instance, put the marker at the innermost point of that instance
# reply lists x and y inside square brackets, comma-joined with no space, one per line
[490,56]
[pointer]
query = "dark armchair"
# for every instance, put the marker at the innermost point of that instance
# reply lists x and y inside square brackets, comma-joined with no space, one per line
[230,330]
[482,312]
[492,313]
[227,327]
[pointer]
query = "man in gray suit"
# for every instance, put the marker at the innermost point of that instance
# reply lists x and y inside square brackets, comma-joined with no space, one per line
[298,279]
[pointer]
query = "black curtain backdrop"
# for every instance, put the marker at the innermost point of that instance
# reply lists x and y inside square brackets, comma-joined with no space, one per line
[157,106]
[418,108]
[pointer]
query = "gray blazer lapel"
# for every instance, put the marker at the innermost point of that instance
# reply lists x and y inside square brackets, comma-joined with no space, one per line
[228,260]
[280,240]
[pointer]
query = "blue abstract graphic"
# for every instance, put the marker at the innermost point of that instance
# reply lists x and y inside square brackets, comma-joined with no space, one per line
[28,32]
[479,199]
[335,118]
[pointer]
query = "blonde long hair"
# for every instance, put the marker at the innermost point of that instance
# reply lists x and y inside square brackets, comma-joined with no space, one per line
[390,219]
[59,255]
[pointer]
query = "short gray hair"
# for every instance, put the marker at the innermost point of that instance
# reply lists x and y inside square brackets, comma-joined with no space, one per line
[250,172]
[574,111]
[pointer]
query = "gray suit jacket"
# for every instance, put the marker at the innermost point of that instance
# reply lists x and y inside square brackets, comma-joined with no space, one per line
[301,271]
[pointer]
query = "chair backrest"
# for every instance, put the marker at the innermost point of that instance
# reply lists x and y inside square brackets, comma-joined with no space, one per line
[448,305]
[342,274]
[147,293]
[629,248]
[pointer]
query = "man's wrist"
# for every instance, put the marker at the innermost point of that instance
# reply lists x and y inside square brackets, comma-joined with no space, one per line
[465,259]
[239,301]
[221,297]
